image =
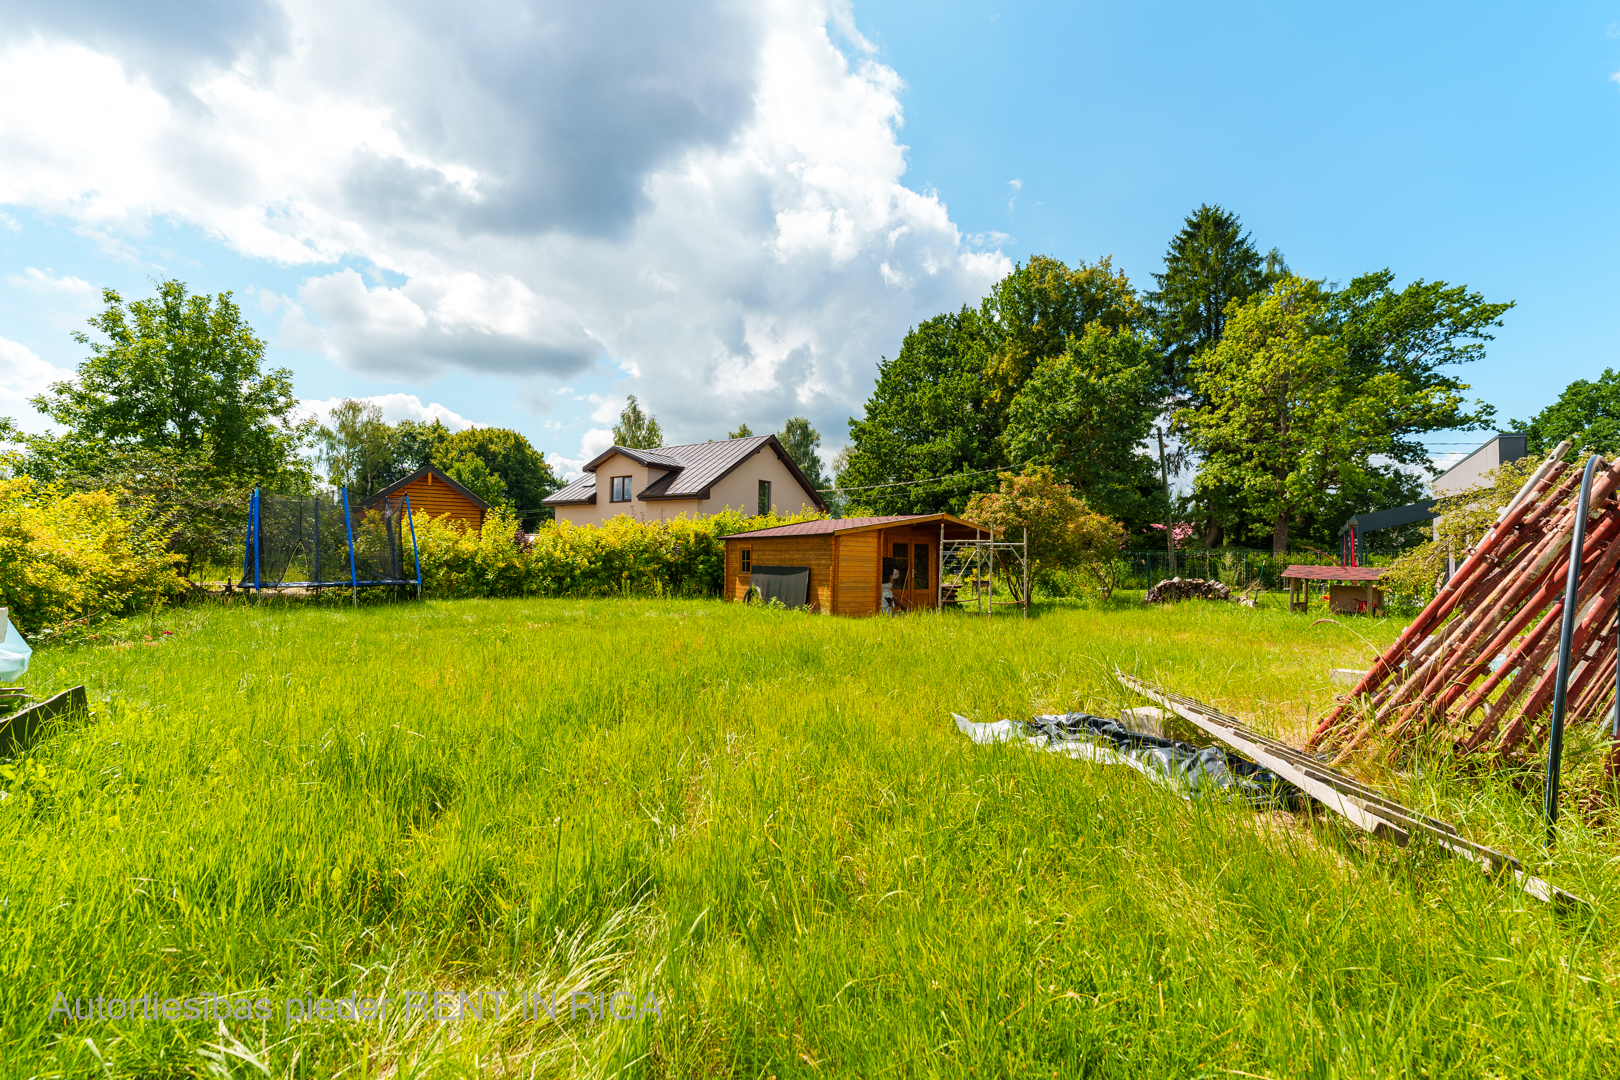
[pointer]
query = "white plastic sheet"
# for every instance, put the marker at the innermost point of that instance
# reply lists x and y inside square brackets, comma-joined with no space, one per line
[14,654]
[1096,752]
[1190,770]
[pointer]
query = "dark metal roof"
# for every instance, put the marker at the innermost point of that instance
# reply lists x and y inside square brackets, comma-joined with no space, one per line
[575,492]
[659,456]
[438,474]
[823,526]
[1334,573]
[1410,514]
[693,469]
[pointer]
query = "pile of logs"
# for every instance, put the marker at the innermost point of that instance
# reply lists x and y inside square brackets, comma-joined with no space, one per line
[1478,666]
[1178,588]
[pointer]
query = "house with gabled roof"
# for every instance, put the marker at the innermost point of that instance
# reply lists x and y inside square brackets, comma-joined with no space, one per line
[754,475]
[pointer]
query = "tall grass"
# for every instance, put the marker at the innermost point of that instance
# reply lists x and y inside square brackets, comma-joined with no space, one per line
[768,821]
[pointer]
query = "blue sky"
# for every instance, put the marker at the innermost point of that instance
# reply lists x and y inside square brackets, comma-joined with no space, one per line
[519,226]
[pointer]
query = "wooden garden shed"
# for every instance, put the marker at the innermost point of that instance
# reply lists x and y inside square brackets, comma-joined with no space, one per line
[433,494]
[848,559]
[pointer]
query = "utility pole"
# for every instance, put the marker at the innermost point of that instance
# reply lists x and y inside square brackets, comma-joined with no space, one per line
[1169,504]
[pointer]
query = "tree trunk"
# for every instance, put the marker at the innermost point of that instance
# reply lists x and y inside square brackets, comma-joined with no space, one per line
[1169,505]
[1212,534]
[1279,536]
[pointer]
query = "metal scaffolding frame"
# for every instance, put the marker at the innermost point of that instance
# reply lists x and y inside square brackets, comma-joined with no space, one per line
[979,554]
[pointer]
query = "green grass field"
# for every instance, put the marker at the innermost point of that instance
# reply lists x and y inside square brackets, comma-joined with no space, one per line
[767,823]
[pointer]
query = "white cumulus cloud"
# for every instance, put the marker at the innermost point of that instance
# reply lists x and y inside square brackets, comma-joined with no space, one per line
[22,376]
[706,198]
[394,408]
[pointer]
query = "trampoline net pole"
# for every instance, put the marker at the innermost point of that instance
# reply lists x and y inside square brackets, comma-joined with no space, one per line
[348,524]
[255,539]
[247,545]
[416,556]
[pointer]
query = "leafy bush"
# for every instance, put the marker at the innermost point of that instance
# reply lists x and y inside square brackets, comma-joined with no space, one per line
[1064,533]
[624,556]
[66,556]
[1463,521]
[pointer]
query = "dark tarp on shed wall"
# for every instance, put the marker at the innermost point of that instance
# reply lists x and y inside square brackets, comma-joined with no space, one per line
[789,584]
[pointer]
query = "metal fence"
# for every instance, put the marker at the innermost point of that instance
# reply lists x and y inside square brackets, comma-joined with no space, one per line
[1237,567]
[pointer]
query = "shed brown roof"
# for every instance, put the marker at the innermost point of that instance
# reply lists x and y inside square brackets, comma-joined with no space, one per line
[1334,573]
[823,526]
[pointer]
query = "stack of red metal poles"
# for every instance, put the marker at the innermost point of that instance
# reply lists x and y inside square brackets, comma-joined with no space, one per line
[1479,663]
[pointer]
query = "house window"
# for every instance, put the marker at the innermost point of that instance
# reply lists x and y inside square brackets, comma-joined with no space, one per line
[747,561]
[764,496]
[919,568]
[621,489]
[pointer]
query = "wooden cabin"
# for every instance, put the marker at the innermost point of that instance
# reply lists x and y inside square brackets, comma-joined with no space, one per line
[433,494]
[848,559]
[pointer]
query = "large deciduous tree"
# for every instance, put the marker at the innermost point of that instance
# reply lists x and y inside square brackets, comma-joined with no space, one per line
[524,475]
[178,375]
[1033,312]
[1086,413]
[1290,424]
[1587,413]
[357,447]
[928,435]
[934,423]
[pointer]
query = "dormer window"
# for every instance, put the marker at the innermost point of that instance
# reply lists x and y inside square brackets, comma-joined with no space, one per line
[621,489]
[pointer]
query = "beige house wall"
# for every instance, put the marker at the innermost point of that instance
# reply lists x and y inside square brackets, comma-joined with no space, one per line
[739,491]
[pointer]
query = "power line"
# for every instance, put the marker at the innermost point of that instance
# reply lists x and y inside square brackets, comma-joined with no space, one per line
[914,483]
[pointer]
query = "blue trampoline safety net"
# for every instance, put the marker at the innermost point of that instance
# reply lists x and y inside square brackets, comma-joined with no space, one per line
[312,541]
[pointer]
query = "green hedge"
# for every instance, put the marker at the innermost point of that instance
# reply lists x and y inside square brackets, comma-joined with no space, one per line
[70,557]
[625,556]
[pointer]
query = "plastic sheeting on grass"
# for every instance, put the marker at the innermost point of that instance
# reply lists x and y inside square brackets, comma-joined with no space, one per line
[14,654]
[1191,770]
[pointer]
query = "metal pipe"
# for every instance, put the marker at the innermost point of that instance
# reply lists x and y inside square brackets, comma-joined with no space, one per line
[1026,571]
[416,556]
[1446,598]
[1555,735]
[348,524]
[1470,664]
[255,540]
[1396,705]
[1524,489]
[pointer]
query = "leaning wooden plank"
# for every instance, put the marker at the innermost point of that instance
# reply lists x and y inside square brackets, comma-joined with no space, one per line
[1346,795]
[19,729]
[1312,786]
[1375,804]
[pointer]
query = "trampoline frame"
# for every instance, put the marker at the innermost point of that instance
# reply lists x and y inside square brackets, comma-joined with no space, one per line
[250,561]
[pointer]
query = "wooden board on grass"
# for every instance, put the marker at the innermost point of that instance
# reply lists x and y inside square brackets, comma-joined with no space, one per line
[20,729]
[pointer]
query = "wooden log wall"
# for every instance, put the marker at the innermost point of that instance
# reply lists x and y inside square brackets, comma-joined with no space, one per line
[816,552]
[435,498]
[860,566]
